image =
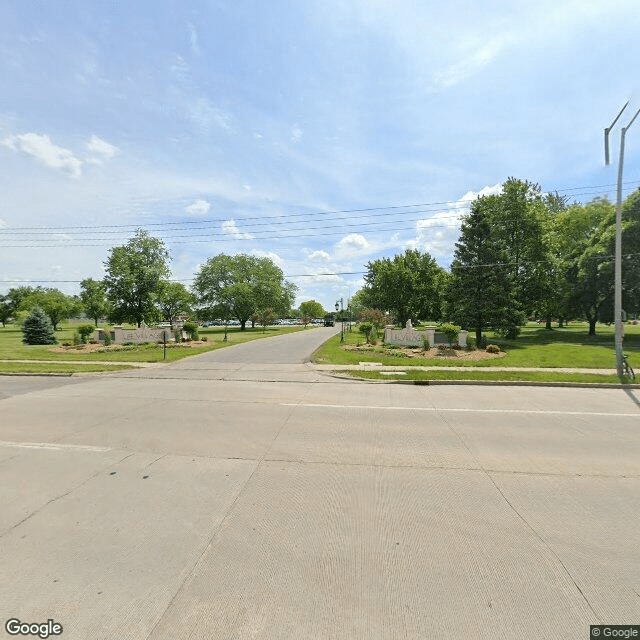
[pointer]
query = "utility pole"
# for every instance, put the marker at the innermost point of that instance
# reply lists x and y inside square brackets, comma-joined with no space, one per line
[617,302]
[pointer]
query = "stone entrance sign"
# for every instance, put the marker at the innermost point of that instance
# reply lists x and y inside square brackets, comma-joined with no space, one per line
[142,334]
[409,337]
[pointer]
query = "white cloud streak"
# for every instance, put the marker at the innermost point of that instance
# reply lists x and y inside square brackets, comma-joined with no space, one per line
[230,228]
[41,148]
[199,207]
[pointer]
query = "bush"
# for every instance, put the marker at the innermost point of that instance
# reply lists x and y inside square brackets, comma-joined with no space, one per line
[492,348]
[191,328]
[372,336]
[107,339]
[451,331]
[425,343]
[204,338]
[84,331]
[37,328]
[365,328]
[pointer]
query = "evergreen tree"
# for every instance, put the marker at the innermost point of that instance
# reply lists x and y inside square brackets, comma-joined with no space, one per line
[482,292]
[37,328]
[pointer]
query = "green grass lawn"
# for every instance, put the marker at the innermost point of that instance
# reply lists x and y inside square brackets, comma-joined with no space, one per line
[12,347]
[535,347]
[55,367]
[484,374]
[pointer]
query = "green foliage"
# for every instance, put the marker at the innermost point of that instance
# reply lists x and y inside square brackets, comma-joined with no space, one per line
[174,299]
[365,327]
[240,286]
[313,309]
[409,285]
[84,331]
[450,331]
[38,329]
[425,343]
[134,273]
[93,294]
[6,309]
[492,348]
[107,338]
[375,317]
[191,329]
[372,336]
[53,302]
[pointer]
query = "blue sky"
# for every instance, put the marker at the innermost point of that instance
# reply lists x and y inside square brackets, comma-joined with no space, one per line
[242,126]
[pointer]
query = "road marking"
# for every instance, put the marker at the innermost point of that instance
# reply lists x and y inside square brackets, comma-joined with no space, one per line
[54,446]
[442,409]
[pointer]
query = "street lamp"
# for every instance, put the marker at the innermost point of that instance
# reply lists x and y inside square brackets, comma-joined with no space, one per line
[340,305]
[617,302]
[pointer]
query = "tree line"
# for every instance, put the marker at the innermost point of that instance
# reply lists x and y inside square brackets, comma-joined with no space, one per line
[136,289]
[520,254]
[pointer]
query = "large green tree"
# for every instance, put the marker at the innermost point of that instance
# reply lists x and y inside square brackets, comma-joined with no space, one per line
[312,308]
[174,299]
[481,291]
[93,294]
[57,305]
[241,286]
[134,275]
[409,285]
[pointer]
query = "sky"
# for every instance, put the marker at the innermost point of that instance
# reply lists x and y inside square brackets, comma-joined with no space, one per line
[323,134]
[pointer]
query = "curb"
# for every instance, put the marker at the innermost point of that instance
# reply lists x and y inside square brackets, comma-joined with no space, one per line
[494,383]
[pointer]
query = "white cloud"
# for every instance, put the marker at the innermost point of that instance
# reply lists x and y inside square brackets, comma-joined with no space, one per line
[353,245]
[437,235]
[319,256]
[271,255]
[296,133]
[102,147]
[46,152]
[199,207]
[230,228]
[467,66]
[193,39]
[205,115]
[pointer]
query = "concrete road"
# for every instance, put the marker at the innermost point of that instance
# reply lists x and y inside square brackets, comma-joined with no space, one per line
[187,507]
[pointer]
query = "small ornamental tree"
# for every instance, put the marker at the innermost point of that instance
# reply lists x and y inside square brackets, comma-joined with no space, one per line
[451,331]
[84,331]
[375,316]
[37,328]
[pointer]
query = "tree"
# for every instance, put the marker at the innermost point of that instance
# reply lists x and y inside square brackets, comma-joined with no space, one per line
[174,299]
[37,328]
[312,308]
[265,318]
[481,290]
[93,294]
[409,285]
[53,302]
[6,309]
[134,273]
[240,286]
[584,234]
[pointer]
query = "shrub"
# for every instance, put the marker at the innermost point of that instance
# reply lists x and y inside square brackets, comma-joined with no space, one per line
[365,328]
[191,328]
[372,336]
[451,331]
[425,343]
[84,331]
[37,328]
[77,340]
[107,339]
[204,338]
[442,347]
[492,348]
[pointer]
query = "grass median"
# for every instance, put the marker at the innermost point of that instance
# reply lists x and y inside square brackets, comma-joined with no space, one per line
[482,375]
[12,349]
[569,347]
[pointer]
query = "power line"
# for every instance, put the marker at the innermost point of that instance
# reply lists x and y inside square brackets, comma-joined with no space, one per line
[346,273]
[586,190]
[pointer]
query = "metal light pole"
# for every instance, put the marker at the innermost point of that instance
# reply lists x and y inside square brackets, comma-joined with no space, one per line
[340,304]
[617,302]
